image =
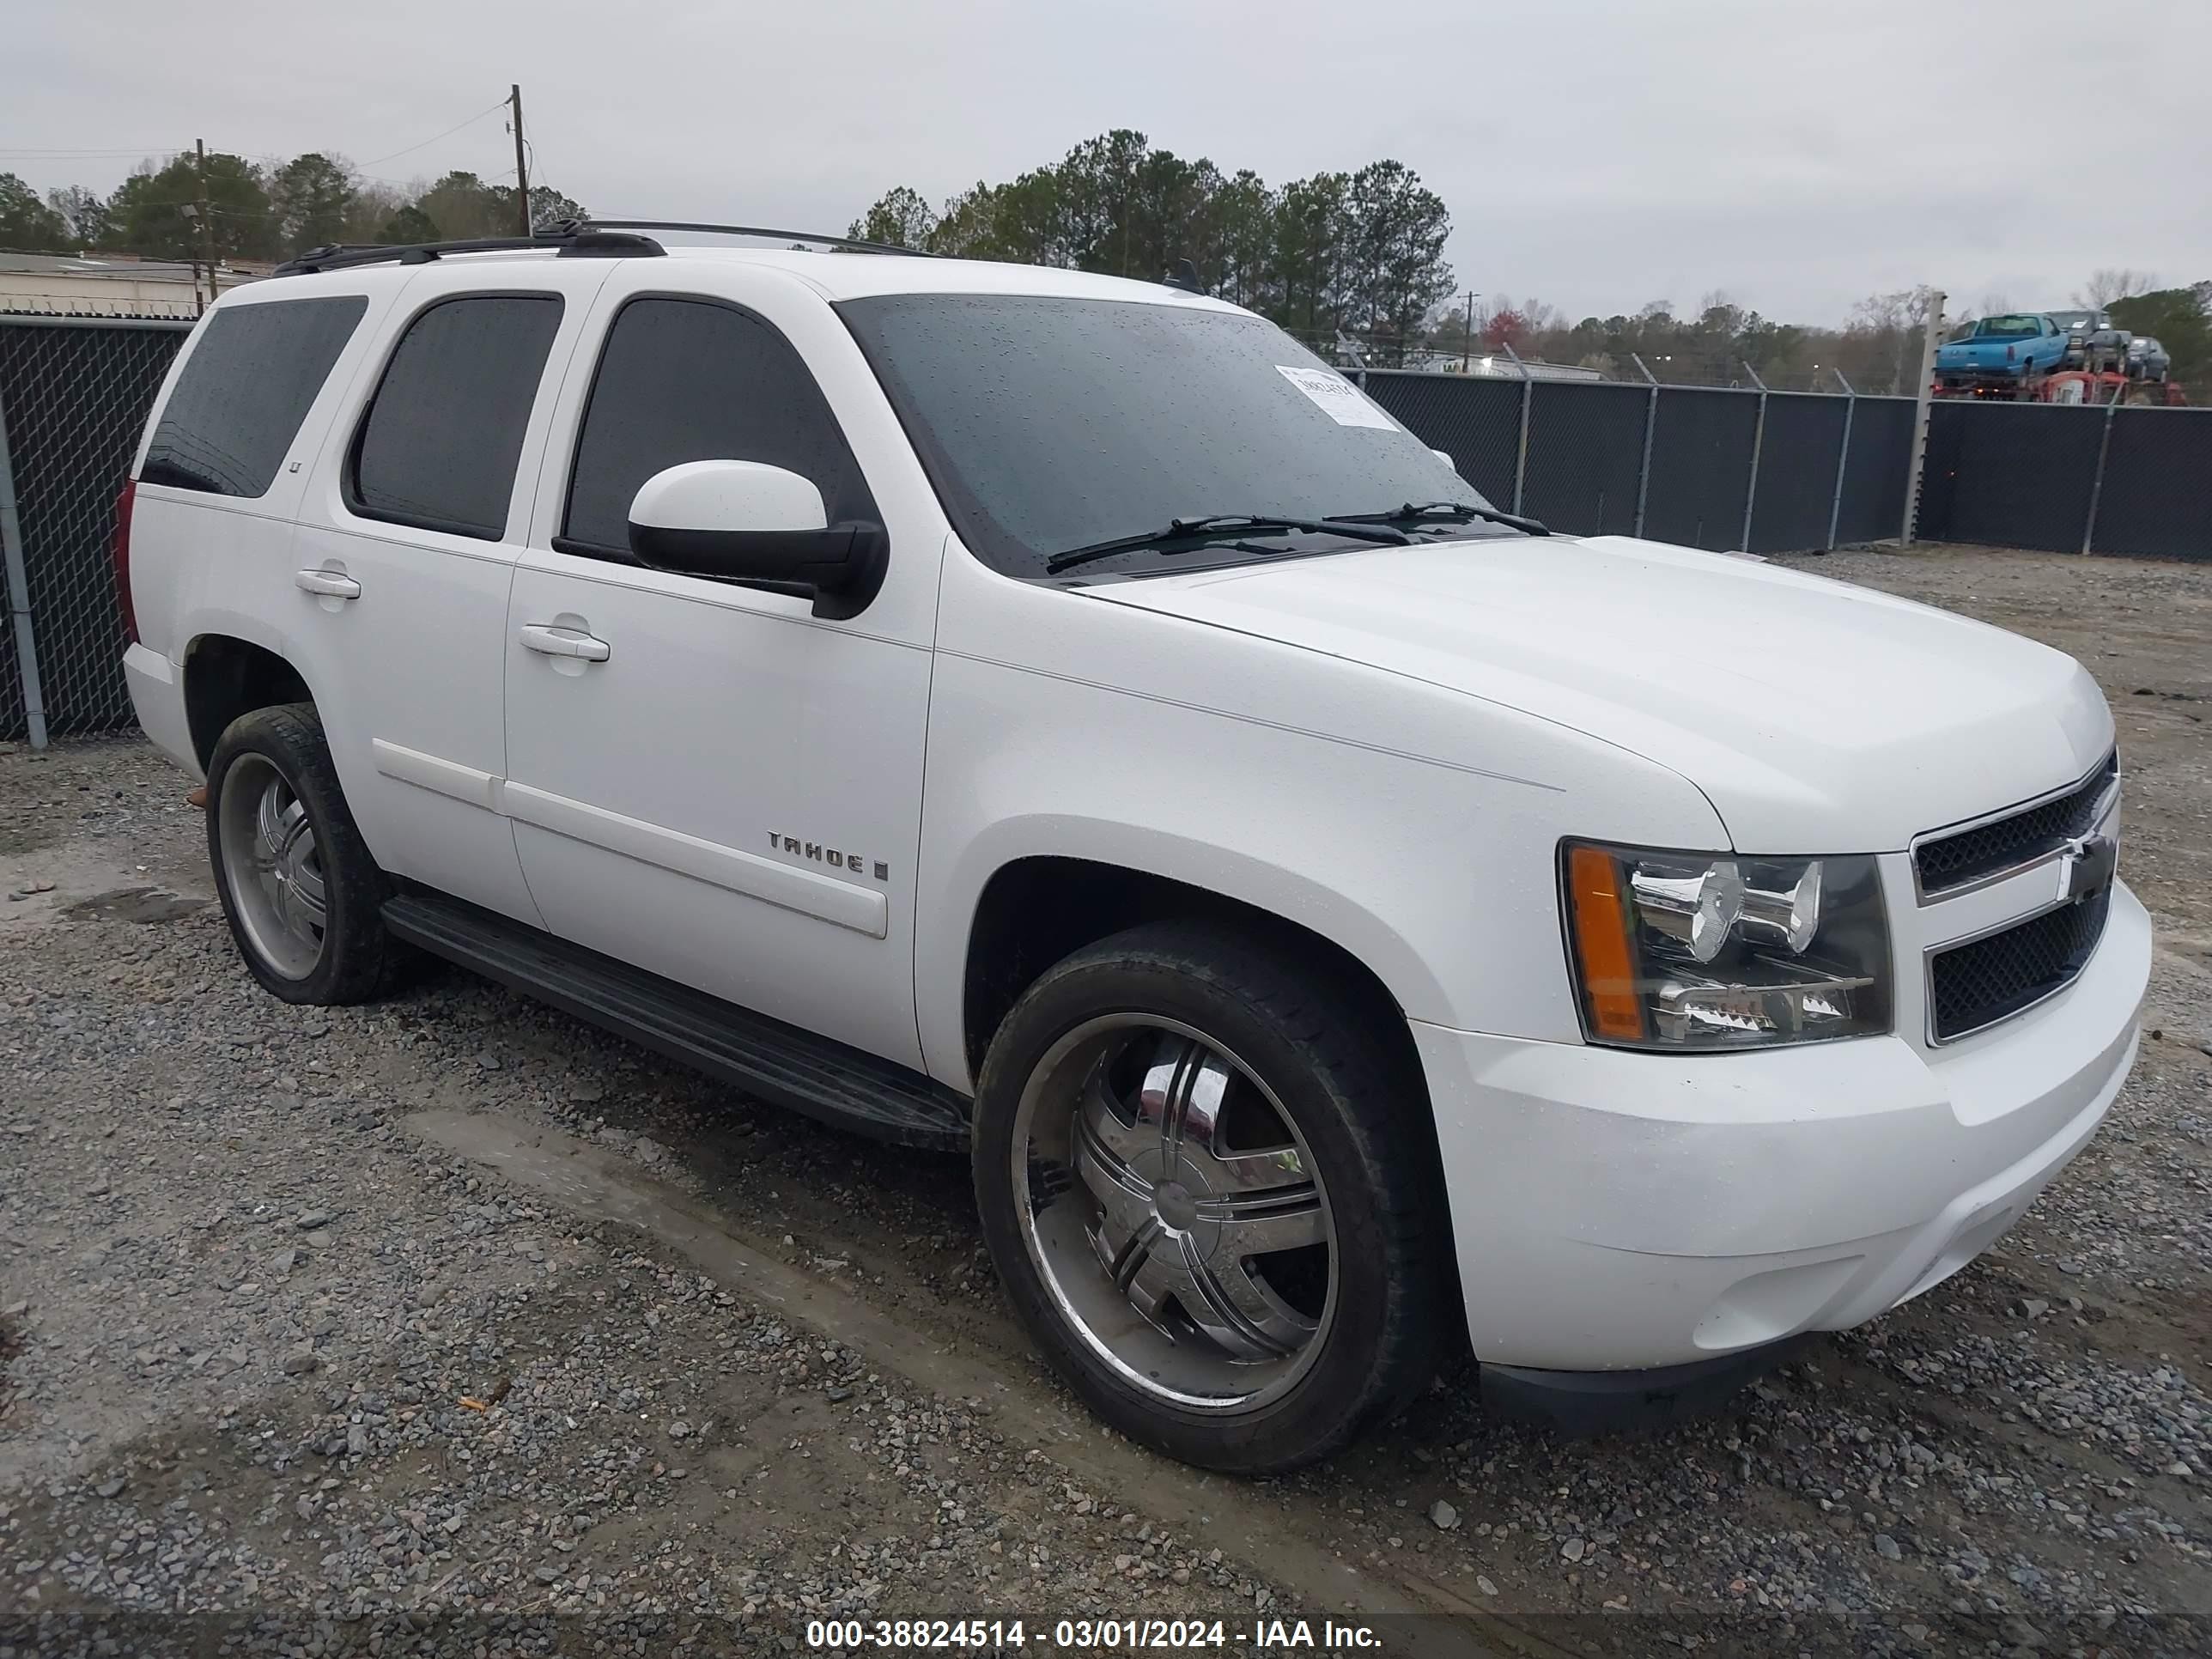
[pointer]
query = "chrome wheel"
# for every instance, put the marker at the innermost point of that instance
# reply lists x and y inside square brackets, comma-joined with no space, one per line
[1176,1215]
[272,867]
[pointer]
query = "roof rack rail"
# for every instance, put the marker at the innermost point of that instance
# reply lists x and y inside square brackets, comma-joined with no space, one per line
[570,239]
[854,243]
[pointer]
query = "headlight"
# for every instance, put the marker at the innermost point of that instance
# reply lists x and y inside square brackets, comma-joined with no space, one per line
[1695,951]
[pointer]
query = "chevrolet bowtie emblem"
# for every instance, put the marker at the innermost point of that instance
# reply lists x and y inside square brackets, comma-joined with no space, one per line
[2087,865]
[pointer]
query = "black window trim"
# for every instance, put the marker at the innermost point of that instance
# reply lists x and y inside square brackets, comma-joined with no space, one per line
[322,390]
[561,542]
[349,475]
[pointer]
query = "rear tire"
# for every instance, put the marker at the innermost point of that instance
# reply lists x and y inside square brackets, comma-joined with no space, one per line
[1213,1197]
[299,888]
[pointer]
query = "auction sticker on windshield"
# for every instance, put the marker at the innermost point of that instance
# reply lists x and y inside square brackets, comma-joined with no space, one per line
[1337,398]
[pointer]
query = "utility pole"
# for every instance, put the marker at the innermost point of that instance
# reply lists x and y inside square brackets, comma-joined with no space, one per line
[1466,340]
[1930,339]
[521,165]
[207,225]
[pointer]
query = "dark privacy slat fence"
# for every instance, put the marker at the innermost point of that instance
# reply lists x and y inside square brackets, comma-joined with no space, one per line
[1585,455]
[1701,463]
[1600,452]
[74,397]
[1820,470]
[1873,500]
[1798,452]
[1707,467]
[2071,480]
[2012,475]
[2155,500]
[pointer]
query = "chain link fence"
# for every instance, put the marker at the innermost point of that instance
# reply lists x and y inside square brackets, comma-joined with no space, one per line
[1710,467]
[74,398]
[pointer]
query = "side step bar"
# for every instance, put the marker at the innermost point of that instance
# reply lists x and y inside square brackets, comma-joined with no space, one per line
[764,1057]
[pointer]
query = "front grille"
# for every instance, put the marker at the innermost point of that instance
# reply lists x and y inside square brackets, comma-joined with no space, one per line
[1958,859]
[1978,983]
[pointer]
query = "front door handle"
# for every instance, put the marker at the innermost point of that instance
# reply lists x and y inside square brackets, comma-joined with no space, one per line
[330,584]
[550,642]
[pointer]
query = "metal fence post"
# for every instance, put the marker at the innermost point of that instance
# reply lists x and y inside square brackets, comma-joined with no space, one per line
[18,595]
[1520,457]
[1758,443]
[1842,455]
[2096,484]
[1651,426]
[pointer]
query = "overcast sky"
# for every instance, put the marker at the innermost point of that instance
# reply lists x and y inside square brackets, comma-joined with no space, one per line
[1598,153]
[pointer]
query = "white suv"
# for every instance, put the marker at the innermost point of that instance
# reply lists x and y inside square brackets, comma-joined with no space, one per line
[1058,718]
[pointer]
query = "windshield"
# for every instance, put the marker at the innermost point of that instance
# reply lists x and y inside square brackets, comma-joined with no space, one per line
[2009,328]
[1048,424]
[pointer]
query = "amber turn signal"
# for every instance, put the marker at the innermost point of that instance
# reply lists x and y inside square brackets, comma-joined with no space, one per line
[1602,952]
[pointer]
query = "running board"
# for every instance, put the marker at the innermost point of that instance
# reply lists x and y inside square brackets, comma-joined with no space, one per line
[764,1057]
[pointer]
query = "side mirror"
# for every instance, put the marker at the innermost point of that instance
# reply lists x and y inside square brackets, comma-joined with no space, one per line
[760,527]
[1444,455]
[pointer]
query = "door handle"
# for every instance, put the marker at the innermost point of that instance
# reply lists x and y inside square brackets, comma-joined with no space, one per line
[330,584]
[550,642]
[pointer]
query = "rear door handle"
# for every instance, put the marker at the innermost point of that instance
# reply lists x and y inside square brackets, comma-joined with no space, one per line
[330,584]
[550,642]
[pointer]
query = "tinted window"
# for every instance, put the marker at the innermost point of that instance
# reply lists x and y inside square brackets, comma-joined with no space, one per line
[1048,424]
[689,381]
[439,444]
[251,377]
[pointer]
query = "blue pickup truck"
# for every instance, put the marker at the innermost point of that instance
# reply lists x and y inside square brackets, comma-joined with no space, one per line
[2001,351]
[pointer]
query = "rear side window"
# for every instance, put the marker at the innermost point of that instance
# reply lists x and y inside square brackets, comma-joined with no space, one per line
[438,447]
[693,380]
[238,404]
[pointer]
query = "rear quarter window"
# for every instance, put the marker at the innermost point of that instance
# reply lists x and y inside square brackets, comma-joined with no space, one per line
[237,405]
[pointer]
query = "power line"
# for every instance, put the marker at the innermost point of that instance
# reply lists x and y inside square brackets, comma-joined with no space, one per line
[447,133]
[55,155]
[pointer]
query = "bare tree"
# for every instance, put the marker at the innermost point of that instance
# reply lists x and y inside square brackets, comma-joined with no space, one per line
[2105,286]
[1886,329]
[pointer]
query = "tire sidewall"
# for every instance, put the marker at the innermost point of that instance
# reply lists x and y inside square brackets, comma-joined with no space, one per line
[279,743]
[1342,1391]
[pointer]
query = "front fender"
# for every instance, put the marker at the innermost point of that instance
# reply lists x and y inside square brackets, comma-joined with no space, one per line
[1437,875]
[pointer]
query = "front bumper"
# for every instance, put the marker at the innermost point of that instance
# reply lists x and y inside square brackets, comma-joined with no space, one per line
[1619,1211]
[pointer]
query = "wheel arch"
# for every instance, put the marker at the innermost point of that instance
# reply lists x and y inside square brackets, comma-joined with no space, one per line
[230,669]
[1033,909]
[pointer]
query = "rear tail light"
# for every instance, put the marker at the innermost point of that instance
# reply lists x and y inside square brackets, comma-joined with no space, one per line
[123,558]
[2011,353]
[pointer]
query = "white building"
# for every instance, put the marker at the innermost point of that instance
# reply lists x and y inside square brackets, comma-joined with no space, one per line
[110,284]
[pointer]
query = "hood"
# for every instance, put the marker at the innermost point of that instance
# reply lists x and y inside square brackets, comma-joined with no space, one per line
[1817,717]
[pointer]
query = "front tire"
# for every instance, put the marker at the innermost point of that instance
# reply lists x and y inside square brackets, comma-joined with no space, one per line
[1213,1197]
[299,888]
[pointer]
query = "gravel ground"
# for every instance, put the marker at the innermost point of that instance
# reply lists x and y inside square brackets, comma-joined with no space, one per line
[450,1325]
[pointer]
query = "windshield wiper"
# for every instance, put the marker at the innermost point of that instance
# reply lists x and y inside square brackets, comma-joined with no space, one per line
[1215,526]
[1449,511]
